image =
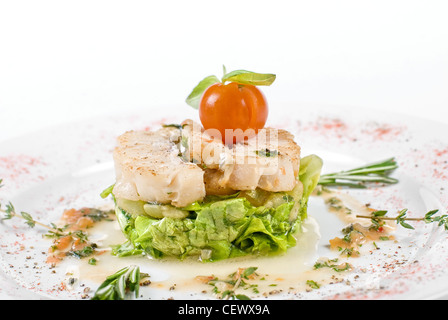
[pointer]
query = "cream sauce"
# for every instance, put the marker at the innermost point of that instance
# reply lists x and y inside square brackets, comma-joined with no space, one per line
[287,273]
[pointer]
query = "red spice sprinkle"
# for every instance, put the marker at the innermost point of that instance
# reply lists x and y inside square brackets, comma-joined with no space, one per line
[18,165]
[384,131]
[333,124]
[440,153]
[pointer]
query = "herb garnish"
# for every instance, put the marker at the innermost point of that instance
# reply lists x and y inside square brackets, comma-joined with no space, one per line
[378,218]
[10,212]
[377,172]
[239,76]
[267,153]
[117,285]
[235,281]
[332,264]
[172,125]
[55,232]
[84,252]
[312,284]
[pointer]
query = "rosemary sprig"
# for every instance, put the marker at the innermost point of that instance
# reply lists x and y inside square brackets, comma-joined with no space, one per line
[117,285]
[377,172]
[378,218]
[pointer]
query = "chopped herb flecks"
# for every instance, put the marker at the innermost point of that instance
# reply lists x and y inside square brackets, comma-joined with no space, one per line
[267,153]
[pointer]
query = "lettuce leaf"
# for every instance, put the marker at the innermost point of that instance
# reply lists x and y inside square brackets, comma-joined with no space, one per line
[309,174]
[225,227]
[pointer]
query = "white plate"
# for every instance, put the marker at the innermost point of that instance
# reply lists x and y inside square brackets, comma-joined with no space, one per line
[68,166]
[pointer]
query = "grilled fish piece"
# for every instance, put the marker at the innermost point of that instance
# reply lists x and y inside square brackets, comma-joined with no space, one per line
[269,160]
[148,168]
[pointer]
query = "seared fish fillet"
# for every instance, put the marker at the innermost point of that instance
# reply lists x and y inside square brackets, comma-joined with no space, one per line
[148,168]
[270,160]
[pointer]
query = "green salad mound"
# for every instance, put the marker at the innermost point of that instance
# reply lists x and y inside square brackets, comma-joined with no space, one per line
[219,227]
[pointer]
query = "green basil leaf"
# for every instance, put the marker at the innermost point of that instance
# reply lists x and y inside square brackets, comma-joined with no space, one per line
[195,96]
[249,77]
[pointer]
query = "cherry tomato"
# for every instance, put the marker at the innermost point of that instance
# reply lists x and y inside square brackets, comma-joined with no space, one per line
[233,106]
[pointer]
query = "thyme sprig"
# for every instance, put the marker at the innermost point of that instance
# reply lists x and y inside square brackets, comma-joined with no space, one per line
[118,284]
[10,212]
[378,218]
[53,231]
[377,172]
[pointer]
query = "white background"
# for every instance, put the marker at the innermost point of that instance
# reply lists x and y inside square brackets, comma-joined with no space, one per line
[66,60]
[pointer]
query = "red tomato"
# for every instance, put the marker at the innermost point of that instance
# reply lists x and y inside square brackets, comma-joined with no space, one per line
[233,106]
